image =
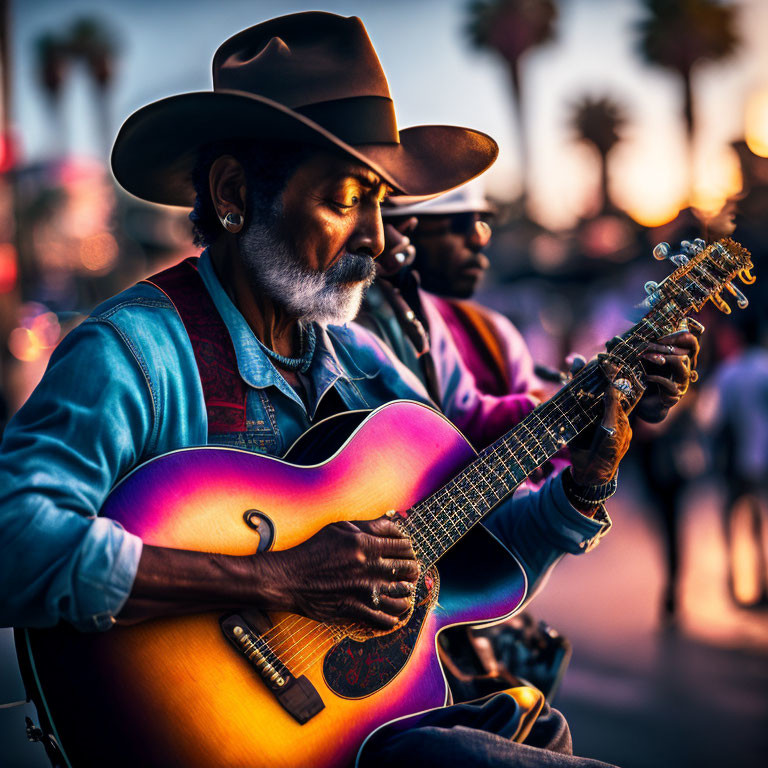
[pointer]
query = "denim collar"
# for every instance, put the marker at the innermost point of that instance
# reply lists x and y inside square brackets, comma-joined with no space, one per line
[255,368]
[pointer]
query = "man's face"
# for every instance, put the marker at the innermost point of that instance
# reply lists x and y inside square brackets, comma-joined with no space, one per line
[449,255]
[314,252]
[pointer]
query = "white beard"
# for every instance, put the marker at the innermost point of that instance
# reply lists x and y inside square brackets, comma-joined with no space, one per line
[332,297]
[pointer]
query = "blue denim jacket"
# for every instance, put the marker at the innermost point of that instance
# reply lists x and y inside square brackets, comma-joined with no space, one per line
[123,387]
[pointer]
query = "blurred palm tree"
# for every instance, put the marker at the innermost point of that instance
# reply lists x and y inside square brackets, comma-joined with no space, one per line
[53,64]
[599,122]
[677,34]
[510,28]
[94,44]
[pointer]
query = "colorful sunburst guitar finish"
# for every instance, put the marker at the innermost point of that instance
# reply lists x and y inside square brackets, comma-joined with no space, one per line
[253,689]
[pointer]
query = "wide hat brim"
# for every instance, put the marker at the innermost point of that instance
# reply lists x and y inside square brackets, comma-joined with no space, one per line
[157,147]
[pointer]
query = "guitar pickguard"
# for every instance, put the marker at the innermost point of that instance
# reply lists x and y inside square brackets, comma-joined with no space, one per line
[355,669]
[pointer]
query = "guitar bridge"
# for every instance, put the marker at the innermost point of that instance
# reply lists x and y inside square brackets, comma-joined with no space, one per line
[298,697]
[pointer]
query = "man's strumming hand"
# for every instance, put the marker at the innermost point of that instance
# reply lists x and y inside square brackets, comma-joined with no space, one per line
[363,572]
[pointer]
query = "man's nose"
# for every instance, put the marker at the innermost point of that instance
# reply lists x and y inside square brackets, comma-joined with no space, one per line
[479,235]
[368,236]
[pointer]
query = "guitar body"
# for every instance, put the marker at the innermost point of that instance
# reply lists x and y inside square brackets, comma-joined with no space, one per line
[175,692]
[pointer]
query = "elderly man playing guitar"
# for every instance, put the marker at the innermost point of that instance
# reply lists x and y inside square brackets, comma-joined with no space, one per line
[286,162]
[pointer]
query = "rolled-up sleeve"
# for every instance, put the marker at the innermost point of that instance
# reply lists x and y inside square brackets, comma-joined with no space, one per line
[540,526]
[85,425]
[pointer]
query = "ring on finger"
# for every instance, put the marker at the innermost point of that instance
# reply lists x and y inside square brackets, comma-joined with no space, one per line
[623,386]
[375,599]
[610,430]
[670,349]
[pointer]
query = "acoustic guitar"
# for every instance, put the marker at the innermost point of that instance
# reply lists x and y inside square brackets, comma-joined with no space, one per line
[256,689]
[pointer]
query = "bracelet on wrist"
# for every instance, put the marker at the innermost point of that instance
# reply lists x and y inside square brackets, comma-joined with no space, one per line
[588,495]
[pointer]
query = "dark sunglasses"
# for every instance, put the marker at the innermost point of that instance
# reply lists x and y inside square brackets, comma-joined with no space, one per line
[457,224]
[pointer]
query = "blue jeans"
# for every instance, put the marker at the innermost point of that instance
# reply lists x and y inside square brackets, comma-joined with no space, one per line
[477,735]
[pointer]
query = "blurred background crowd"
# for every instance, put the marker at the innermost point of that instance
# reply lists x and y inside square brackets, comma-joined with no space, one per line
[622,123]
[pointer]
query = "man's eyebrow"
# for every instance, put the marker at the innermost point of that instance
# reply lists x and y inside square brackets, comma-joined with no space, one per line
[365,178]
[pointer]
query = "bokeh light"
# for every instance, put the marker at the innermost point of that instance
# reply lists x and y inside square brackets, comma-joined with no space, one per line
[98,253]
[649,192]
[9,270]
[718,177]
[38,332]
[756,123]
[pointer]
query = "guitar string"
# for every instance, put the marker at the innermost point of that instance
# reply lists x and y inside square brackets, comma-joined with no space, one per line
[428,508]
[288,654]
[306,663]
[502,453]
[676,309]
[291,618]
[305,657]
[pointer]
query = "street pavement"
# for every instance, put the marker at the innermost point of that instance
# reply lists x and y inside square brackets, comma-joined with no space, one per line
[642,695]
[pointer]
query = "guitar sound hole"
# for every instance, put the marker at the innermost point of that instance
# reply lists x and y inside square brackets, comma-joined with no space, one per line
[258,521]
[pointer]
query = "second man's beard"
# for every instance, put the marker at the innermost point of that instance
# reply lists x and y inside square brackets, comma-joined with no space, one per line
[332,297]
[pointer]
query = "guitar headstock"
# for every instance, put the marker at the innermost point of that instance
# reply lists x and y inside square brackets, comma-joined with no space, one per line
[702,273]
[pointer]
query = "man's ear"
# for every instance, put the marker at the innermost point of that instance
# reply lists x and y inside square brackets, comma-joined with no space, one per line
[226,181]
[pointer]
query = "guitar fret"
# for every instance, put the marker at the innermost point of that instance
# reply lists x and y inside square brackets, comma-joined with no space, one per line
[510,463]
[454,513]
[445,513]
[500,478]
[706,276]
[487,490]
[657,331]
[698,288]
[424,542]
[439,517]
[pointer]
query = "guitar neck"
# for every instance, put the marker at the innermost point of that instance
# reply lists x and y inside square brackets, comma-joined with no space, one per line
[440,520]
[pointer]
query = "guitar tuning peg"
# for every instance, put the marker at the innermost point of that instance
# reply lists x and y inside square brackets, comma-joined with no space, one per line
[720,303]
[651,287]
[689,249]
[661,251]
[741,299]
[746,276]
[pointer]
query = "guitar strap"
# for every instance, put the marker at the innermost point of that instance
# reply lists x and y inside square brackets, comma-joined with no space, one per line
[224,390]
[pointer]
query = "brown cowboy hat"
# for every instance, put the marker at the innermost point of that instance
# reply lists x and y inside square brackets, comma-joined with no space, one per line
[312,78]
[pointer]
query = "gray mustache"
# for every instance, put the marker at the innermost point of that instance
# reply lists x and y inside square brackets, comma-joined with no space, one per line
[351,268]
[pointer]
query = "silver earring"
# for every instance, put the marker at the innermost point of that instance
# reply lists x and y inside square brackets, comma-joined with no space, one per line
[232,222]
